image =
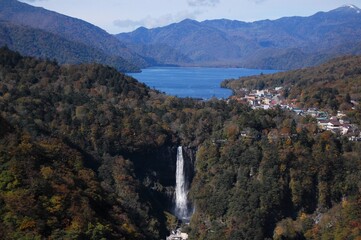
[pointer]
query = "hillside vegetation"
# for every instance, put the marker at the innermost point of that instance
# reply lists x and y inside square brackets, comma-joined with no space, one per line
[38,43]
[285,43]
[330,86]
[81,151]
[47,34]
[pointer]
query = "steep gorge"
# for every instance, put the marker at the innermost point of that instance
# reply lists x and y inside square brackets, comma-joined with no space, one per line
[97,151]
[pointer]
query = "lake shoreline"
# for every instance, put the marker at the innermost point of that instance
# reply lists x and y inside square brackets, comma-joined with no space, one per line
[195,82]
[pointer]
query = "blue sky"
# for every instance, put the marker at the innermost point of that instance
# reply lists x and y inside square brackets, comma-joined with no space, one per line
[117,16]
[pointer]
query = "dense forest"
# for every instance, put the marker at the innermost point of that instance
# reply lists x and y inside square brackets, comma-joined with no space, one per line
[38,32]
[329,86]
[35,42]
[84,156]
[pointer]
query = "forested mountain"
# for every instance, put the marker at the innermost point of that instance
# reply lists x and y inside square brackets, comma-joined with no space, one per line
[286,43]
[36,42]
[160,54]
[84,36]
[86,153]
[329,86]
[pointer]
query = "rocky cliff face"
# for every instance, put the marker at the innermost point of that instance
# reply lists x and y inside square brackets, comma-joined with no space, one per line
[156,168]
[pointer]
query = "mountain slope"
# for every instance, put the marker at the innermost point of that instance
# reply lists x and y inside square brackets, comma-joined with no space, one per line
[286,43]
[52,185]
[72,29]
[159,54]
[36,42]
[326,86]
[88,153]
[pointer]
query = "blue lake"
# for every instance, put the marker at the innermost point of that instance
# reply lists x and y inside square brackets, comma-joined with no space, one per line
[194,82]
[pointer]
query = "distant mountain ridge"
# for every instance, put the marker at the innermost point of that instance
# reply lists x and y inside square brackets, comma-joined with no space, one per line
[36,42]
[285,43]
[87,37]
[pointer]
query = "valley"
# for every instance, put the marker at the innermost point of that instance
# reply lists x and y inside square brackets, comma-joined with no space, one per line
[125,136]
[89,152]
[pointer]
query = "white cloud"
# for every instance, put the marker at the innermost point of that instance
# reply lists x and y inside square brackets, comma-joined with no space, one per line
[197,3]
[150,22]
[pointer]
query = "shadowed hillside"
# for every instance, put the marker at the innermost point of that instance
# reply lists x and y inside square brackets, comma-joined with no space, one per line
[84,36]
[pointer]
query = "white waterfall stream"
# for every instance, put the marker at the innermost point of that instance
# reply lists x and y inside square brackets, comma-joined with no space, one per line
[181,191]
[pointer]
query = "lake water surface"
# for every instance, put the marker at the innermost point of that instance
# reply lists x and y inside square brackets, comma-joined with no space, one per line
[194,82]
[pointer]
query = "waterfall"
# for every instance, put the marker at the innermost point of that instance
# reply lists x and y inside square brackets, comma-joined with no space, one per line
[181,191]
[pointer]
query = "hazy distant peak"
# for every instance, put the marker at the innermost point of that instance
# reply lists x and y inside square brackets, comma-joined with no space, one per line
[189,21]
[141,29]
[352,6]
[349,8]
